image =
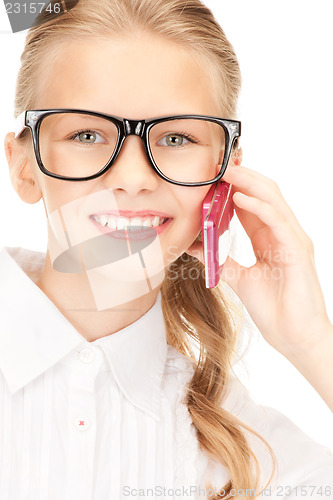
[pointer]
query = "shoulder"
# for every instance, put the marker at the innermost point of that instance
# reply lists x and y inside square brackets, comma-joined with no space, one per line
[15,262]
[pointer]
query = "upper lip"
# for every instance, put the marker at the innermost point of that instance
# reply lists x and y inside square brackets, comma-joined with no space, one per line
[134,213]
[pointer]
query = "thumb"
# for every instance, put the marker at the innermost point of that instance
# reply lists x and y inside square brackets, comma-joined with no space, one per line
[231,272]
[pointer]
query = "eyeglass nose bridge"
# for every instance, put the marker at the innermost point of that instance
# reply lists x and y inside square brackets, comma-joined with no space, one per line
[133,127]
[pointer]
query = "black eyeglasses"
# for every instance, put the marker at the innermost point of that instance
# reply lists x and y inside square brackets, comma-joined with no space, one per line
[79,145]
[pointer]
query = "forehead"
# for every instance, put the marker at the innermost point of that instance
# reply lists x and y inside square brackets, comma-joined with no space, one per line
[136,78]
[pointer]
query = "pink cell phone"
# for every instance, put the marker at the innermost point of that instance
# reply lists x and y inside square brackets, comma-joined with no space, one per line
[217,212]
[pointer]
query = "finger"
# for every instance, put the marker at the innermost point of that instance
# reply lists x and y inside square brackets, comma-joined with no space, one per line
[257,185]
[250,222]
[252,183]
[231,272]
[281,228]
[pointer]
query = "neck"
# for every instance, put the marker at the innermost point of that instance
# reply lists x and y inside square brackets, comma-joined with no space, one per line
[95,304]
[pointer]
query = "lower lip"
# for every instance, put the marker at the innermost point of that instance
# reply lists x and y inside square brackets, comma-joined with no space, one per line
[142,234]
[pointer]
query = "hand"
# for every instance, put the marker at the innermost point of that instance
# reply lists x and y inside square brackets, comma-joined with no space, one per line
[281,291]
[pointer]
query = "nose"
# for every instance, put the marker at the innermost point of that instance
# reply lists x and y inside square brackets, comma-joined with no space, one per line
[132,171]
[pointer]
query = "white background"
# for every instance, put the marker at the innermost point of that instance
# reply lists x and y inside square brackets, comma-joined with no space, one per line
[285,54]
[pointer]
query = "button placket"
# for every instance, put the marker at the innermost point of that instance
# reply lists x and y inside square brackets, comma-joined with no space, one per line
[82,418]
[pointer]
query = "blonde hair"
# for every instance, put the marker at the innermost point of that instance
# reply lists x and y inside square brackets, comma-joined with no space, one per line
[191,311]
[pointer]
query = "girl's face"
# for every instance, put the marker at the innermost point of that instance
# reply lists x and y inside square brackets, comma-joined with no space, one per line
[134,78]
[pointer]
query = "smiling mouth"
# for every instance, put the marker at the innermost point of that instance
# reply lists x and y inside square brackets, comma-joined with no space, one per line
[136,223]
[133,230]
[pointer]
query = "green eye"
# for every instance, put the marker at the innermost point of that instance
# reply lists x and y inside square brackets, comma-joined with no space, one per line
[174,140]
[87,137]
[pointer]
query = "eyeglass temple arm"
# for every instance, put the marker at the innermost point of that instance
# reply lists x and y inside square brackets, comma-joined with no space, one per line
[20,124]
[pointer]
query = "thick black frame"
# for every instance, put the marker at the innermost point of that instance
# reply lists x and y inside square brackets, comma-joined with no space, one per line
[33,119]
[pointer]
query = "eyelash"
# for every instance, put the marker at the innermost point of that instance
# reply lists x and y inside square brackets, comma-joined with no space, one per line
[78,132]
[183,134]
[89,131]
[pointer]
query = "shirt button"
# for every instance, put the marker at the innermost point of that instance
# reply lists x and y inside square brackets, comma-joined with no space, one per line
[81,423]
[86,355]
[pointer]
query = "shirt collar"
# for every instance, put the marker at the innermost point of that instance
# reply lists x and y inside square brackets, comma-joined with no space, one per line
[34,335]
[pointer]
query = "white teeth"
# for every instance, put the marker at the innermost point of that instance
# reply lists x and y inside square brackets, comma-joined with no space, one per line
[122,223]
[136,221]
[132,224]
[136,224]
[104,220]
[155,221]
[112,224]
[147,223]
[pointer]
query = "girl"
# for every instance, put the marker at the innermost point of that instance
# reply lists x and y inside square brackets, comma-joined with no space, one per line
[120,106]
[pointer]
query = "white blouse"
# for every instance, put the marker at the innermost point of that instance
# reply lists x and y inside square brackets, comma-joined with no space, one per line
[104,420]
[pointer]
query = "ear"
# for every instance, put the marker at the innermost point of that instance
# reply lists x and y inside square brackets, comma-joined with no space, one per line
[236,156]
[21,170]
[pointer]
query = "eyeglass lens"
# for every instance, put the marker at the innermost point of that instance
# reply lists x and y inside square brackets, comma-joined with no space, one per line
[80,145]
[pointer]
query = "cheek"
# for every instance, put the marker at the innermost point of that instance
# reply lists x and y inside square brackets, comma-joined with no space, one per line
[191,207]
[192,199]
[59,194]
[56,193]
